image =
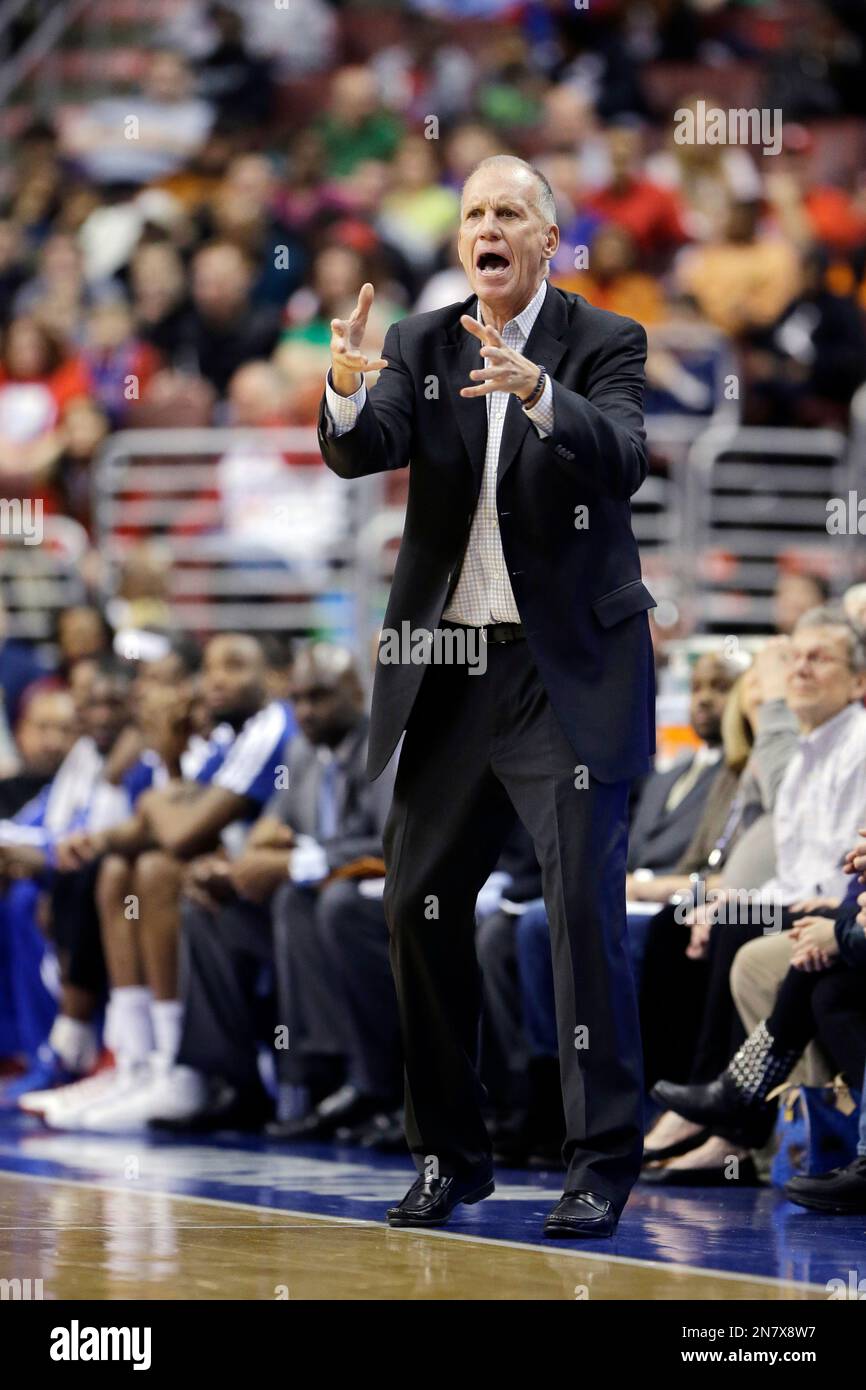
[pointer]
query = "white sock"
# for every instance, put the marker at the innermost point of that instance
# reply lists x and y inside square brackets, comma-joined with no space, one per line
[128,1026]
[167,1016]
[74,1042]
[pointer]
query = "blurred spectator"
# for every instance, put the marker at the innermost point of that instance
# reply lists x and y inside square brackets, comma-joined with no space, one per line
[804,368]
[651,213]
[119,364]
[707,179]
[335,277]
[58,294]
[743,281]
[159,294]
[356,125]
[37,381]
[223,329]
[235,81]
[808,209]
[44,735]
[142,137]
[613,280]
[13,272]
[418,214]
[797,592]
[243,210]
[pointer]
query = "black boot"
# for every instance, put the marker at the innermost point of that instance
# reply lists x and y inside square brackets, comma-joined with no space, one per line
[735,1105]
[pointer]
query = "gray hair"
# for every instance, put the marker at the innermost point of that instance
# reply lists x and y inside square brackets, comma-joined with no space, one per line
[544,199]
[833,615]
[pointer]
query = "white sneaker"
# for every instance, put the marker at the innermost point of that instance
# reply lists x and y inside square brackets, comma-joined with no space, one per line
[167,1092]
[105,1088]
[61,1097]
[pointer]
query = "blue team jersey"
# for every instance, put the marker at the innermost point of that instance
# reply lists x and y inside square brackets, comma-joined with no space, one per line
[249,765]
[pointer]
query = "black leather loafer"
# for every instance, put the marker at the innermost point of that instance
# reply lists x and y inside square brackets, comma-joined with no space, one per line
[582,1214]
[430,1201]
[841,1191]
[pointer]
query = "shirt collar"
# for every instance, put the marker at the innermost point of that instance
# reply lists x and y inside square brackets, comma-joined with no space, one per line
[526,318]
[832,729]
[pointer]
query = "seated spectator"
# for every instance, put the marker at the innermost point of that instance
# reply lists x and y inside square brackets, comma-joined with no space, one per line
[236,82]
[171,125]
[20,666]
[671,801]
[63,1044]
[44,734]
[223,330]
[356,125]
[797,592]
[706,178]
[58,295]
[741,281]
[809,210]
[818,809]
[804,368]
[294,902]
[418,213]
[613,280]
[157,282]
[205,794]
[822,995]
[37,381]
[119,365]
[650,213]
[854,606]
[243,210]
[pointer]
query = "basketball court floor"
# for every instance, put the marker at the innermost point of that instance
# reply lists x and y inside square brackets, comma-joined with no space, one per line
[128,1218]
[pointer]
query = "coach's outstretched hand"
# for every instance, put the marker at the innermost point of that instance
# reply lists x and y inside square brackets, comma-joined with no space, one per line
[348,362]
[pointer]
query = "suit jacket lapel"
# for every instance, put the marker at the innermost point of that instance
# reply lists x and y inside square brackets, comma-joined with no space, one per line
[463,358]
[543,346]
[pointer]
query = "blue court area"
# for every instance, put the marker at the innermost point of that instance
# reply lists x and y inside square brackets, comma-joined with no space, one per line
[720,1243]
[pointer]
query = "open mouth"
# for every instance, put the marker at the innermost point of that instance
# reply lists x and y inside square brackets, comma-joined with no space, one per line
[491,263]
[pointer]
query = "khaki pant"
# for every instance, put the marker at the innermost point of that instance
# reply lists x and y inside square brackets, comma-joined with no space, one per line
[757,972]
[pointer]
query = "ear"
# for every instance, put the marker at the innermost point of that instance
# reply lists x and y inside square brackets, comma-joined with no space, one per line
[551,242]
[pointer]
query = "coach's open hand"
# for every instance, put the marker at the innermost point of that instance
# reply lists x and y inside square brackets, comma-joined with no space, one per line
[348,362]
[504,369]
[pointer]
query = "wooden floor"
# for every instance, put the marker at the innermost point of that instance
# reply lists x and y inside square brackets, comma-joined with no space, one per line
[87,1242]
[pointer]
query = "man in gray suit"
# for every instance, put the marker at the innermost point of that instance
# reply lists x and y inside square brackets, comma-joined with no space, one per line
[295,900]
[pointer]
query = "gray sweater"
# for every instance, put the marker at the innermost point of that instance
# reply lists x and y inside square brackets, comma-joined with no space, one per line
[752,856]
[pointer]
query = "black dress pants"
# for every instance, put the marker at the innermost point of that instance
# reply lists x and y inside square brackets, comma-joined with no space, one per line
[478,749]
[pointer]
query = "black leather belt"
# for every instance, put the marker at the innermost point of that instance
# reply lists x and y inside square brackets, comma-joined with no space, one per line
[493,632]
[503,632]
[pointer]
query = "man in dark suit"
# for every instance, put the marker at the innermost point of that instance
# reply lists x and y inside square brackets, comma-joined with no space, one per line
[671,802]
[520,412]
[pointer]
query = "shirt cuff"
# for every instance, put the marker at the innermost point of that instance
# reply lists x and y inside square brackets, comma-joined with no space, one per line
[344,410]
[541,414]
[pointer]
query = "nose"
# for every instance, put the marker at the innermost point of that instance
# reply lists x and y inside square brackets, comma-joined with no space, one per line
[490,225]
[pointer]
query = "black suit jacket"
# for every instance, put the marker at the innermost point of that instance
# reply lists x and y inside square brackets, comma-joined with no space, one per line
[578,591]
[361,809]
[658,838]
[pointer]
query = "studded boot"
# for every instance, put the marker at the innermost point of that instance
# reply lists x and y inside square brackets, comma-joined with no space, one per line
[735,1105]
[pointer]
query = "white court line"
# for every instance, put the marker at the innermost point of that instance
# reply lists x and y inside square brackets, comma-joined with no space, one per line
[567,1251]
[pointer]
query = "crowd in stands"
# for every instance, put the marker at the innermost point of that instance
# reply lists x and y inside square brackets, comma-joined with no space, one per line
[191,926]
[155,243]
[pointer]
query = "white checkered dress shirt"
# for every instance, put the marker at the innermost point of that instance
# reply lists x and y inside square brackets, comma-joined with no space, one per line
[483,593]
